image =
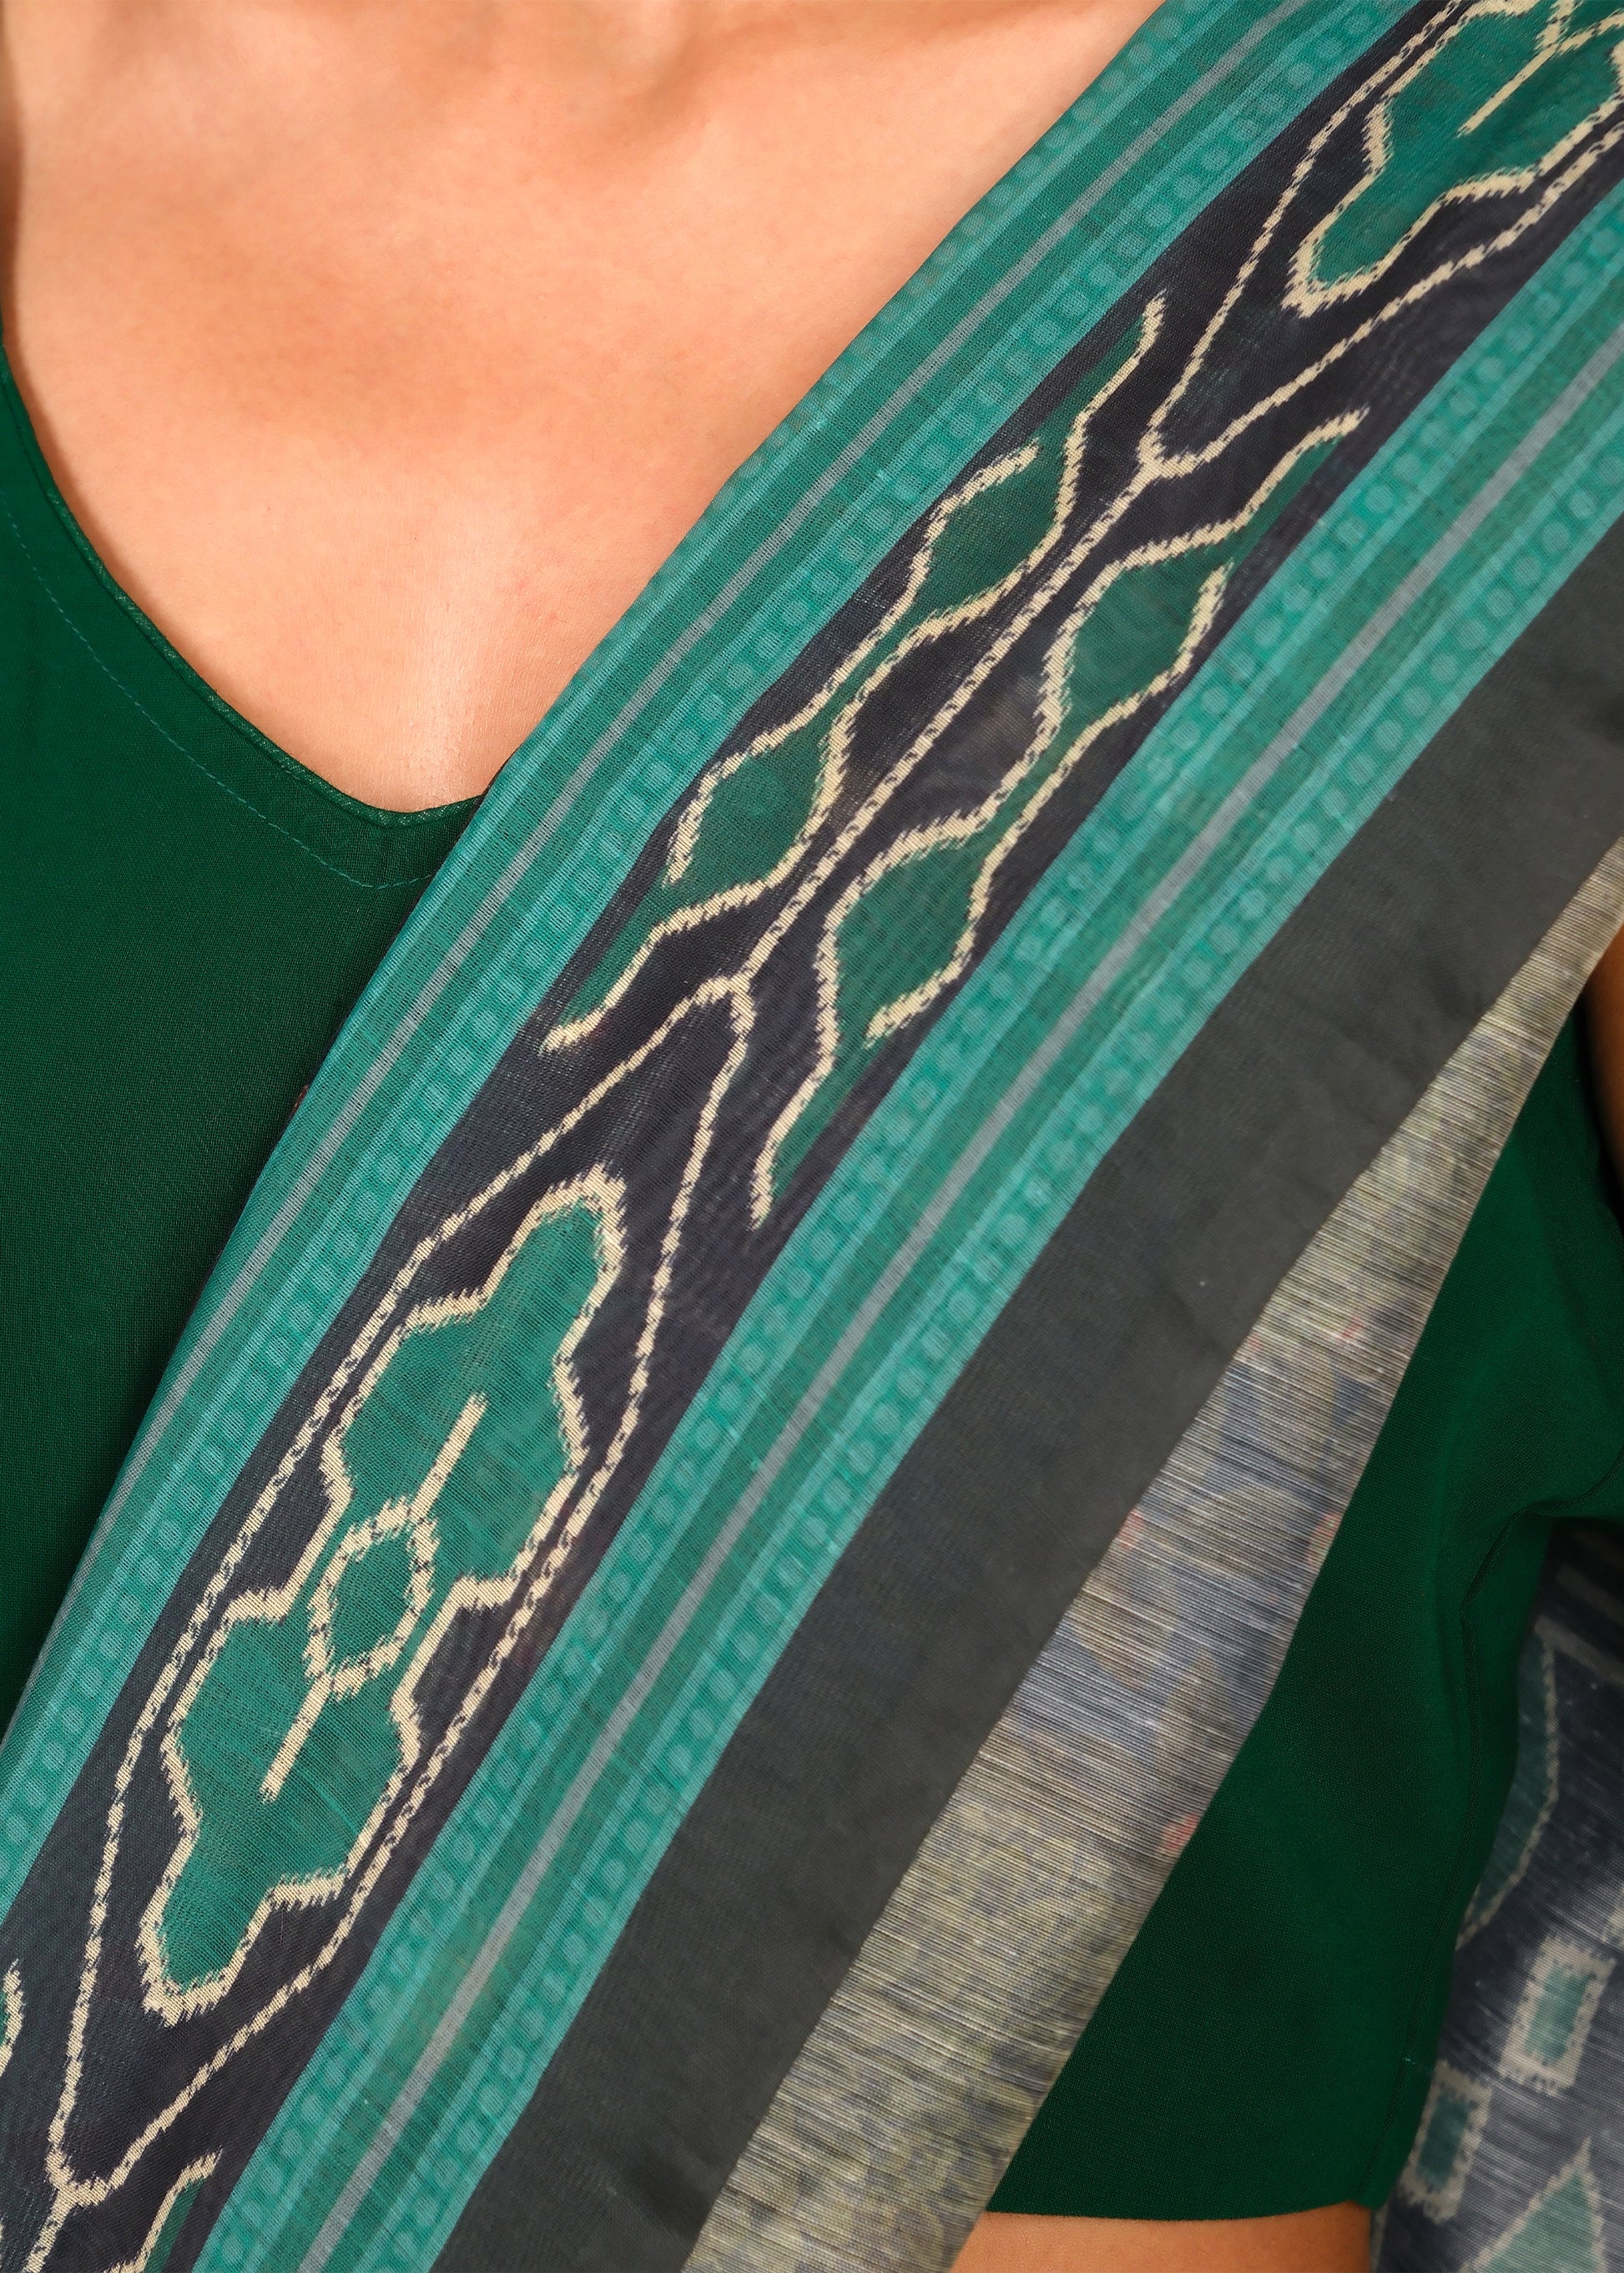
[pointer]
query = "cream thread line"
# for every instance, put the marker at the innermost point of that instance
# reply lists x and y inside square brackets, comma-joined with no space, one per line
[70,2192]
[411,1519]
[851,454]
[962,826]
[832,770]
[1189,461]
[195,1628]
[900,1012]
[1069,219]
[317,1419]
[1308,292]
[686,837]
[602,1199]
[917,750]
[193,2175]
[1554,40]
[1155,460]
[1151,323]
[1156,463]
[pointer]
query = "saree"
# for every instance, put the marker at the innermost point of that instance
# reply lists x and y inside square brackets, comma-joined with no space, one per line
[600,1727]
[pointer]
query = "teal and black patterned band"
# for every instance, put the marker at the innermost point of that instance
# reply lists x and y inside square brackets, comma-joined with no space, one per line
[886,1039]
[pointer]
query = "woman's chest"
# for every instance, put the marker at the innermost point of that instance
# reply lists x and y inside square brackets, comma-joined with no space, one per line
[386,418]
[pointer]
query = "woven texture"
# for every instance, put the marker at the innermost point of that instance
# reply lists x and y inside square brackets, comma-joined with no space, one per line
[995,1946]
[798,1179]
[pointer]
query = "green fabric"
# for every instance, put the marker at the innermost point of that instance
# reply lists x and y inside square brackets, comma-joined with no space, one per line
[1266,2044]
[186,916]
[193,917]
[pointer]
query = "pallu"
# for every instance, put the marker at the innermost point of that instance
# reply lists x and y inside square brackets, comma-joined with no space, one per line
[599,1728]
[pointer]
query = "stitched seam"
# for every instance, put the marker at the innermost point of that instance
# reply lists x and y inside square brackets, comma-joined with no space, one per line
[364,883]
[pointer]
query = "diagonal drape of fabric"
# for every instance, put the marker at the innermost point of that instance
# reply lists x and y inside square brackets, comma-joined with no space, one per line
[884,1043]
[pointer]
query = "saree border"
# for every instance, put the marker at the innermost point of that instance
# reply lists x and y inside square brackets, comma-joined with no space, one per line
[1313,787]
[918,1631]
[787,542]
[1451,536]
[999,1941]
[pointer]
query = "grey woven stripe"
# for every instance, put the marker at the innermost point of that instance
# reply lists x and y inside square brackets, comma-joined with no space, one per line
[898,2118]
[671,660]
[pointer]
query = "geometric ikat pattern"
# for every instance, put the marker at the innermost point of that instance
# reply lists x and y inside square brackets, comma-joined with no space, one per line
[833,878]
[1518,2166]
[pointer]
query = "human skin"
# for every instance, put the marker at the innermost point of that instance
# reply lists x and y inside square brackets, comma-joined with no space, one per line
[1310,2241]
[384,348]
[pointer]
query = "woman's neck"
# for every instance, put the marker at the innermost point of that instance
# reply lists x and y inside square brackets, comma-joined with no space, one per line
[385,348]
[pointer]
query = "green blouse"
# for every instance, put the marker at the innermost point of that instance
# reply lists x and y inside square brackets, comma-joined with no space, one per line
[186,917]
[1267,2043]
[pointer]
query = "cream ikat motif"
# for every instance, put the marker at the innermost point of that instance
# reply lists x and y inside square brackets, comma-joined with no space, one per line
[402,1548]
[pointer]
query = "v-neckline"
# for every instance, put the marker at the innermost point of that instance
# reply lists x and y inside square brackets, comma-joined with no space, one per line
[1045,257]
[1048,252]
[1010,188]
[334,804]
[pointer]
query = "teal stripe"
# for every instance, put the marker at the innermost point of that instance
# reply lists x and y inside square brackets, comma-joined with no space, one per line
[1260,775]
[922,390]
